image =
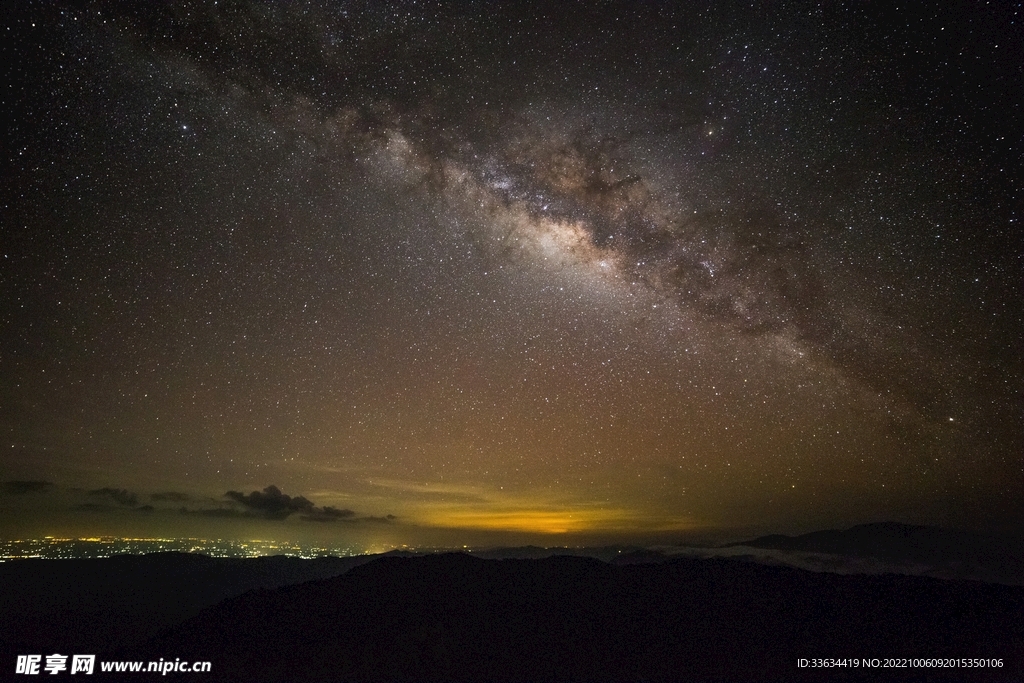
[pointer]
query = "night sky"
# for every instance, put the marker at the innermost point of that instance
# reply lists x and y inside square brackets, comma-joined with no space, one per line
[482,273]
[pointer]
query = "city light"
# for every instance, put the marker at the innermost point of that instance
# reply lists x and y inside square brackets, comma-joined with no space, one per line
[54,548]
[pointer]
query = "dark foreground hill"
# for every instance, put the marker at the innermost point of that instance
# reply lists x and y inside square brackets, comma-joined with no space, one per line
[454,617]
[95,605]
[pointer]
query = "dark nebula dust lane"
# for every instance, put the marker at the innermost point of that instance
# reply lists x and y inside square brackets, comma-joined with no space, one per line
[621,270]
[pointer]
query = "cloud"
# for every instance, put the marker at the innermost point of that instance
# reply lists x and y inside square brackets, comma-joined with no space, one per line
[170,497]
[94,507]
[273,504]
[328,514]
[269,504]
[217,512]
[119,496]
[17,487]
[840,563]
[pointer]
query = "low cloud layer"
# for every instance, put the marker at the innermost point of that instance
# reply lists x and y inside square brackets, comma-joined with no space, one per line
[17,487]
[119,496]
[269,504]
[837,563]
[272,503]
[170,497]
[329,514]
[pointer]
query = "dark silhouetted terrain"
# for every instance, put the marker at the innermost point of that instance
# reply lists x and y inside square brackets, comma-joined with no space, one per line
[526,614]
[90,605]
[454,617]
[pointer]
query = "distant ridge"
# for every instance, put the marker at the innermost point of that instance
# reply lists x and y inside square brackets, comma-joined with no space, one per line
[533,552]
[892,540]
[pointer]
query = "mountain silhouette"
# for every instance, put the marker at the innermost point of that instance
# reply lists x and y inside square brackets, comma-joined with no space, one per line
[454,617]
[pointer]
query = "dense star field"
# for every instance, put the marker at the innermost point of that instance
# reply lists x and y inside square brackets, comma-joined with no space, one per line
[486,272]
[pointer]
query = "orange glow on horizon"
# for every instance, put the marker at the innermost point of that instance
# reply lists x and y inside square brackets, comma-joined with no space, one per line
[548,521]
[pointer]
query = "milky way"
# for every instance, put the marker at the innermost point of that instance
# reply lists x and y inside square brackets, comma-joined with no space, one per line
[559,190]
[464,271]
